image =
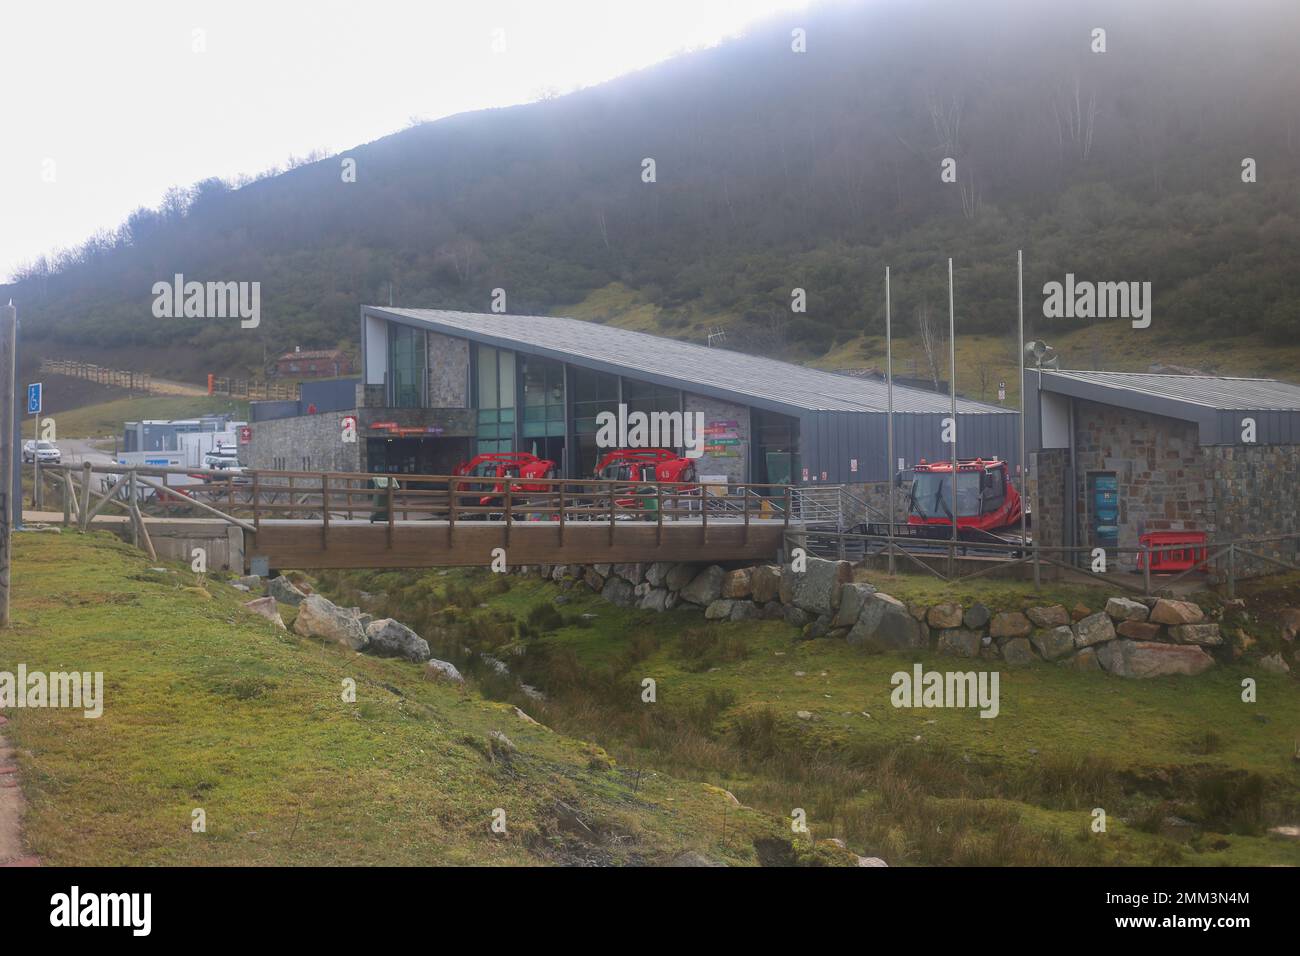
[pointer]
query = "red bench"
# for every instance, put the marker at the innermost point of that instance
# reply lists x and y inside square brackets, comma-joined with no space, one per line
[1172,551]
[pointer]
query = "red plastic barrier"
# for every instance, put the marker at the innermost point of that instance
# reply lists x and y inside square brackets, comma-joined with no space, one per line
[1173,551]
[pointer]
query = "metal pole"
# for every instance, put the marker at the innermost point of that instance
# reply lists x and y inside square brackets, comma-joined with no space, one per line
[8,439]
[889,420]
[952,394]
[1024,461]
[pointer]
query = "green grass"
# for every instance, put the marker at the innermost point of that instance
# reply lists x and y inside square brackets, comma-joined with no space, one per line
[107,418]
[207,706]
[1016,789]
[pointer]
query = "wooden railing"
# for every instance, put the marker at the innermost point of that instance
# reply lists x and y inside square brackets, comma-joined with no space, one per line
[253,390]
[119,378]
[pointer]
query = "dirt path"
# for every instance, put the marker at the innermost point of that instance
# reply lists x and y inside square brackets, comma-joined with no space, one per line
[12,851]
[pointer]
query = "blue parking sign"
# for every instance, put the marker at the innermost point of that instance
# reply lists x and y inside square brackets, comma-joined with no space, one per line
[34,398]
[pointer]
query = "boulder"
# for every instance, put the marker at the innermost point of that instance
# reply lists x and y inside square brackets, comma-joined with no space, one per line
[1009,624]
[285,591]
[631,573]
[745,611]
[853,597]
[738,584]
[959,642]
[718,610]
[1094,629]
[886,625]
[1196,634]
[705,587]
[618,592]
[1048,617]
[1017,652]
[680,575]
[603,569]
[641,590]
[773,611]
[594,579]
[976,617]
[1053,643]
[250,581]
[389,638]
[655,600]
[1079,612]
[795,616]
[657,573]
[1126,609]
[318,617]
[1084,659]
[765,582]
[817,628]
[443,670]
[1138,630]
[1168,611]
[265,607]
[1126,658]
[1289,619]
[818,588]
[1275,663]
[944,616]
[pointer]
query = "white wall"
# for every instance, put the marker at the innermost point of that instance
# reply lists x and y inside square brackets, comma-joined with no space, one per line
[1055,410]
[376,349]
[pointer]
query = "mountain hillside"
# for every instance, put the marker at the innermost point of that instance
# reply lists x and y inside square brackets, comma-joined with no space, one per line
[774,170]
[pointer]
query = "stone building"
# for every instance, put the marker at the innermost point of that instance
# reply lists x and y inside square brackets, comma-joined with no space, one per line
[1177,452]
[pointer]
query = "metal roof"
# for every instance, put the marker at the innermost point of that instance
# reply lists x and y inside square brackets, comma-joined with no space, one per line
[753,380]
[1205,391]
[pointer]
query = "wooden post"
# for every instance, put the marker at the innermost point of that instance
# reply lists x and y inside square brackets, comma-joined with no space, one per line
[83,516]
[324,511]
[451,511]
[391,482]
[510,511]
[744,498]
[135,528]
[561,490]
[613,505]
[67,498]
[659,510]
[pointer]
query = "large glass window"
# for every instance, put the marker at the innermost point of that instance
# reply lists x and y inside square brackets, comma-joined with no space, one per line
[496,399]
[406,364]
[593,393]
[543,397]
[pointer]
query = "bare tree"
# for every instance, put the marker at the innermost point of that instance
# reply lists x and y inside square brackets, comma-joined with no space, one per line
[1075,121]
[929,334]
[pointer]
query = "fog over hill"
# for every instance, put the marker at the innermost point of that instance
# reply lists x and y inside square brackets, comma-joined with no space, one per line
[774,169]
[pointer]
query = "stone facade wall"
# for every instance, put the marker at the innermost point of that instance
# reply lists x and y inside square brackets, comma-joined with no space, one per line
[302,443]
[448,360]
[1254,496]
[1047,496]
[1161,474]
[715,409]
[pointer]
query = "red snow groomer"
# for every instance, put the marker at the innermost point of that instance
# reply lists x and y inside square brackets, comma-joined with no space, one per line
[498,468]
[986,500]
[647,464]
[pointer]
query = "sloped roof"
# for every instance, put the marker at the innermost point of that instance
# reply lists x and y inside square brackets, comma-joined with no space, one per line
[1207,391]
[747,378]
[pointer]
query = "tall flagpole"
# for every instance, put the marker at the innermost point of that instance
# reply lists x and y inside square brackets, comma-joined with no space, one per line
[1025,462]
[889,427]
[952,394]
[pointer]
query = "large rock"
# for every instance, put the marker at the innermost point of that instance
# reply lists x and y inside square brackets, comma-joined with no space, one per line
[1094,629]
[631,573]
[265,607]
[1017,652]
[886,625]
[1084,659]
[738,584]
[1125,658]
[318,617]
[1196,634]
[1176,612]
[443,670]
[817,589]
[1138,630]
[1275,663]
[765,580]
[705,587]
[389,638]
[1053,643]
[959,642]
[745,611]
[718,610]
[1009,624]
[250,581]
[1126,609]
[618,592]
[680,575]
[795,616]
[976,617]
[944,616]
[656,599]
[284,591]
[594,579]
[657,573]
[853,598]
[1048,617]
[773,611]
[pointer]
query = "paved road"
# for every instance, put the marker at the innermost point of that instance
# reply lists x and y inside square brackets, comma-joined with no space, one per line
[78,450]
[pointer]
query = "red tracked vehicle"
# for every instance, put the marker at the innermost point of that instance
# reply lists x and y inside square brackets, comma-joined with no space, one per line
[987,503]
[647,464]
[498,467]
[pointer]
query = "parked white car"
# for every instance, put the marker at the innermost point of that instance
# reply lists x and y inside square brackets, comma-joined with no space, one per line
[44,451]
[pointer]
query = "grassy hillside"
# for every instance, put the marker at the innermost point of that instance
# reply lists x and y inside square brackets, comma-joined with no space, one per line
[210,707]
[930,786]
[105,419]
